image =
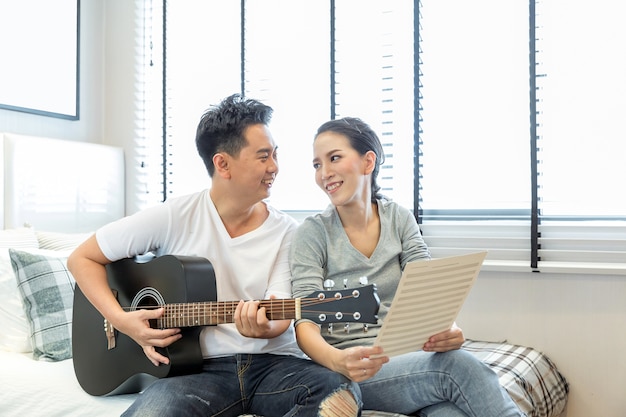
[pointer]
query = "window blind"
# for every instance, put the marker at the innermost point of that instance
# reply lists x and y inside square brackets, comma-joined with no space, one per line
[373,80]
[286,63]
[202,66]
[147,151]
[479,154]
[581,101]
[474,130]
[479,129]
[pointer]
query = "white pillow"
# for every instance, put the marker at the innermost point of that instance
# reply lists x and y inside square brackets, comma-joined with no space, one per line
[60,241]
[20,238]
[15,335]
[47,290]
[15,331]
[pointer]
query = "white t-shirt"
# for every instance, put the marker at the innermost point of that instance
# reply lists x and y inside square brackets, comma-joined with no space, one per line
[249,267]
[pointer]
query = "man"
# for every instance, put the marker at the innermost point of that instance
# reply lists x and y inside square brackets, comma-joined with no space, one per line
[252,365]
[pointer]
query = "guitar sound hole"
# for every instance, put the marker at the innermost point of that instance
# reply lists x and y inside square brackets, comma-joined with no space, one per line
[149,303]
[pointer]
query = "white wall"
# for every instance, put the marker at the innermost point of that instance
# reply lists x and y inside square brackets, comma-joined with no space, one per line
[578,321]
[89,127]
[119,86]
[107,30]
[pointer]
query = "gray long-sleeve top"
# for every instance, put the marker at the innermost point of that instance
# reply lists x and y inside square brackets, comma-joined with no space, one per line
[322,251]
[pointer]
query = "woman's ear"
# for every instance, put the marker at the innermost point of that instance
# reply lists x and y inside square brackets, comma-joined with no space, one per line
[220,161]
[370,162]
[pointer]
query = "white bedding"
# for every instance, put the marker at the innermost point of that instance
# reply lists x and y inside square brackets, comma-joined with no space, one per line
[36,388]
[39,388]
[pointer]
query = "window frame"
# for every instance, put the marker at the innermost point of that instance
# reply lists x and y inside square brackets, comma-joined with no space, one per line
[517,240]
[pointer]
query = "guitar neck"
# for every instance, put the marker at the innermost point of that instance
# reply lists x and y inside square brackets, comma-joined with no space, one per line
[211,313]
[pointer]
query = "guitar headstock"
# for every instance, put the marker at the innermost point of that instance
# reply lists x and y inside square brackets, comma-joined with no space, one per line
[350,305]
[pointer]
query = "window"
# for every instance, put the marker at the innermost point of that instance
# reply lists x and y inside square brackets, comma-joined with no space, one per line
[286,64]
[474,129]
[501,120]
[581,102]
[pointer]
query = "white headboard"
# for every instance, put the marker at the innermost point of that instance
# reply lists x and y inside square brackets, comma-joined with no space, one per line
[59,185]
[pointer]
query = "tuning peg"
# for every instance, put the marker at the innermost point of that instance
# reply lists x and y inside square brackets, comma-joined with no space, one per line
[346,327]
[364,281]
[328,285]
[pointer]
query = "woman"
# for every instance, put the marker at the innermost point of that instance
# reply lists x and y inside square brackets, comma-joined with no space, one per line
[363,236]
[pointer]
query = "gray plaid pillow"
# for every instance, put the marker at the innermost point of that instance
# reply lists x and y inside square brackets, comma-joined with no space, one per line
[47,289]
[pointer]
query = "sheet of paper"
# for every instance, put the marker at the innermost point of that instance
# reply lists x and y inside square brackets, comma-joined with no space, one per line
[428,299]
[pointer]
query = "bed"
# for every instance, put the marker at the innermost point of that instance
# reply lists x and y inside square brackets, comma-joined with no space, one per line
[55,194]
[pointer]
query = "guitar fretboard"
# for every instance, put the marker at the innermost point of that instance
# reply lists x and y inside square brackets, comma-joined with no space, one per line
[220,312]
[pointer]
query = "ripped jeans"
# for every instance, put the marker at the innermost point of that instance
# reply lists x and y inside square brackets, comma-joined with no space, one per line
[261,384]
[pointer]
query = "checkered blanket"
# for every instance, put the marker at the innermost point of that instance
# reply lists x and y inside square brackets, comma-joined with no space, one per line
[529,376]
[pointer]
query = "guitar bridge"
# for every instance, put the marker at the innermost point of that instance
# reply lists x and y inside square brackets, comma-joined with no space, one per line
[109,331]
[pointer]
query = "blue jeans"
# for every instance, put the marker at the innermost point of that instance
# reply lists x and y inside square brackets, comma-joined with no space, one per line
[264,384]
[446,384]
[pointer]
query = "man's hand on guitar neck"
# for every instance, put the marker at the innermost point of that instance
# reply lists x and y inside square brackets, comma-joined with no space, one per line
[136,325]
[252,321]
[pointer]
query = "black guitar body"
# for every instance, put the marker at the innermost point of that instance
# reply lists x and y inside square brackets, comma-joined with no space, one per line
[125,368]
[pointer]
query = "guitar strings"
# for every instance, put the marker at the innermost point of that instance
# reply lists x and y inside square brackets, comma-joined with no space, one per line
[273,304]
[218,312]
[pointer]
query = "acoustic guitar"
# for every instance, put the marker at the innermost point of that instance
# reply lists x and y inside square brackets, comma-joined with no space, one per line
[108,362]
